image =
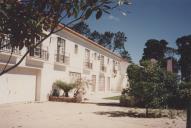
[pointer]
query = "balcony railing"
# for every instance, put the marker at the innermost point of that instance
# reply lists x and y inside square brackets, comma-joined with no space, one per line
[88,65]
[39,53]
[62,58]
[6,47]
[103,68]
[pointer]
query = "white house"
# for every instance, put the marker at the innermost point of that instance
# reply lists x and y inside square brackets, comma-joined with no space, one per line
[65,56]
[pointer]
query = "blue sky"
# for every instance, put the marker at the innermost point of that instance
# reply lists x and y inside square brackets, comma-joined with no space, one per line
[148,19]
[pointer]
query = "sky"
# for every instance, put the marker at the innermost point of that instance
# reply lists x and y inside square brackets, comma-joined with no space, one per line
[147,19]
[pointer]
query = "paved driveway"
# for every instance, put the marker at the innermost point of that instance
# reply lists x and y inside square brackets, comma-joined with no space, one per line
[70,115]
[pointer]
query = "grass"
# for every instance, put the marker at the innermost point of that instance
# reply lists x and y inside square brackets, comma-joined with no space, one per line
[112,98]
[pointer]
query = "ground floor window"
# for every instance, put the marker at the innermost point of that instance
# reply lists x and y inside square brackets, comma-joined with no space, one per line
[101,83]
[93,83]
[108,83]
[74,76]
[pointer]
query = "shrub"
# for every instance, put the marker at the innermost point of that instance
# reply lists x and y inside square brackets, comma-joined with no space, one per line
[66,87]
[55,92]
[81,86]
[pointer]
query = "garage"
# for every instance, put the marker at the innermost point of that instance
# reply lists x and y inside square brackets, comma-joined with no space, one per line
[17,87]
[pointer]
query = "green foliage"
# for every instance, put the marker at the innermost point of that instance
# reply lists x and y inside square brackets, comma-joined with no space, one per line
[151,86]
[119,40]
[65,86]
[184,50]
[82,28]
[184,93]
[155,49]
[24,21]
[112,98]
[113,41]
[159,51]
[106,39]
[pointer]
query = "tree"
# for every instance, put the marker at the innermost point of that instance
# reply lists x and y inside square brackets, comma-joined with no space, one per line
[113,41]
[150,85]
[22,21]
[161,52]
[184,50]
[125,55]
[66,87]
[82,28]
[95,36]
[155,49]
[119,41]
[106,39]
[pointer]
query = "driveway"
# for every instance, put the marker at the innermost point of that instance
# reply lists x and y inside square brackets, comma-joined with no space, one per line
[72,115]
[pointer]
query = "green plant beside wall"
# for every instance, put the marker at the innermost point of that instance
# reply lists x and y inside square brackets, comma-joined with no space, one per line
[66,87]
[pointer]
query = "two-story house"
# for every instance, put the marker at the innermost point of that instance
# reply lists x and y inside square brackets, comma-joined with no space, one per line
[65,56]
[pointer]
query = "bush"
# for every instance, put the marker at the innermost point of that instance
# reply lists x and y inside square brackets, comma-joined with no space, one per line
[66,87]
[129,101]
[55,92]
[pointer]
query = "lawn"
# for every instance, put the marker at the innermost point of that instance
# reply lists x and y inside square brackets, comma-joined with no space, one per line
[112,98]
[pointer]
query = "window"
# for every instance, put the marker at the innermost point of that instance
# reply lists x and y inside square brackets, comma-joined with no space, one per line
[60,46]
[115,63]
[95,55]
[102,60]
[108,61]
[103,68]
[76,49]
[75,76]
[93,82]
[37,50]
[101,83]
[60,53]
[108,83]
[87,63]
[87,55]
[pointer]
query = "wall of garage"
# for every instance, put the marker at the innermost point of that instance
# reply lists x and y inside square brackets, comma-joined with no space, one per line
[19,85]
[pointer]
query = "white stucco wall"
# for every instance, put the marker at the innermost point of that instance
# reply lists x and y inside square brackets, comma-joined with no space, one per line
[45,73]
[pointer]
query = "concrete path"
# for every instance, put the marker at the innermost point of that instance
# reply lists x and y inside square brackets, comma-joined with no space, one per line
[72,115]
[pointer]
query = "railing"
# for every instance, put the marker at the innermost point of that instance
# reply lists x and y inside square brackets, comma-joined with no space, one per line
[103,68]
[5,46]
[40,53]
[88,65]
[62,58]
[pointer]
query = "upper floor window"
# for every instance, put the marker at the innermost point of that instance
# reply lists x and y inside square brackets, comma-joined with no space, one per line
[108,61]
[39,51]
[95,55]
[60,55]
[60,46]
[76,49]
[114,63]
[102,60]
[87,55]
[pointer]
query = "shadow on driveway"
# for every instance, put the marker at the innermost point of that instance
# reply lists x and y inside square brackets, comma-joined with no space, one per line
[106,104]
[113,113]
[130,113]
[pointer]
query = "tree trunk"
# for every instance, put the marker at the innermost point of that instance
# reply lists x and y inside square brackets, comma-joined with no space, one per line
[188,123]
[66,94]
[147,112]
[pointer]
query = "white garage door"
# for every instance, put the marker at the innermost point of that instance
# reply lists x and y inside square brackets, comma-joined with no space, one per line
[17,88]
